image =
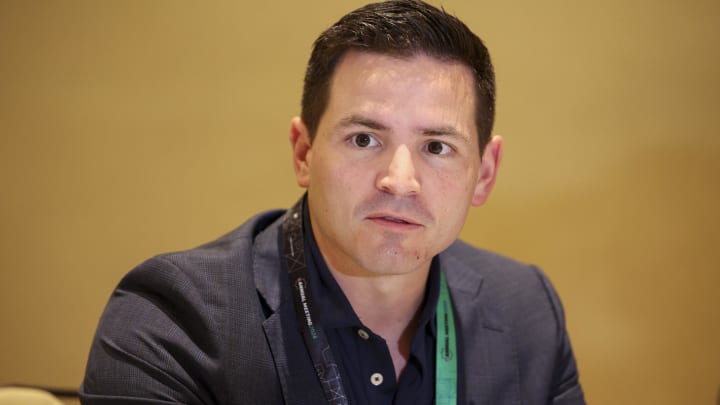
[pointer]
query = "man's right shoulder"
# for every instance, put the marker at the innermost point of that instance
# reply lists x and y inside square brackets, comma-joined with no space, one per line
[179,321]
[212,268]
[233,246]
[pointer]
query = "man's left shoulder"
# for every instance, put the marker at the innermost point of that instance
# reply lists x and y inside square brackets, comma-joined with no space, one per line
[462,257]
[513,309]
[502,282]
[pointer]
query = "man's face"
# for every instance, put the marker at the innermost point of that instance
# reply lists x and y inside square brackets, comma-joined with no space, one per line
[395,163]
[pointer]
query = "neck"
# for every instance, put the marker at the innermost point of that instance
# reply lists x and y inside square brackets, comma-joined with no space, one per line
[386,299]
[389,305]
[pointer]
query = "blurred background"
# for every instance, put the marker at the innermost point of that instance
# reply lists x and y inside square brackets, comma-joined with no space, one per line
[133,128]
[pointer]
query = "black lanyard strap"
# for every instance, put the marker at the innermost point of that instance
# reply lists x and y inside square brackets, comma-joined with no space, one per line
[315,340]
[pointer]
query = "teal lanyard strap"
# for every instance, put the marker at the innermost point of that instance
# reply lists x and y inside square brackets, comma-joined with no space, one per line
[446,350]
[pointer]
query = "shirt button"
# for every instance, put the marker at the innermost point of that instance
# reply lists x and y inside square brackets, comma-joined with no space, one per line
[376,379]
[363,334]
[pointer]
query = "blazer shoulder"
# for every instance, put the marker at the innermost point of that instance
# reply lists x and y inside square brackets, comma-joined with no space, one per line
[519,302]
[218,271]
[510,286]
[177,324]
[232,246]
[488,265]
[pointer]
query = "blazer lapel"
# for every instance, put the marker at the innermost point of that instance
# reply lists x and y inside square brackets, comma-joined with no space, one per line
[488,364]
[297,376]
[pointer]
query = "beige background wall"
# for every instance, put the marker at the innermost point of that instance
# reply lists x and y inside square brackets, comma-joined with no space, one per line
[133,128]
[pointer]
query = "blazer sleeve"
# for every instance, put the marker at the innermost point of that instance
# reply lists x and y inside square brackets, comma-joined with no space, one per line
[566,389]
[154,343]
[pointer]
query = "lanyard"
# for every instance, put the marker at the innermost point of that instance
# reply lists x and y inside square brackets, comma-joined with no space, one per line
[445,349]
[317,344]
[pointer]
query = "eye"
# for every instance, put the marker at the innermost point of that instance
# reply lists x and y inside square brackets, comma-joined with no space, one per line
[438,148]
[364,140]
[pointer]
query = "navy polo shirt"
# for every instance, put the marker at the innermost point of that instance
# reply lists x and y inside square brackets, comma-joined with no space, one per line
[366,367]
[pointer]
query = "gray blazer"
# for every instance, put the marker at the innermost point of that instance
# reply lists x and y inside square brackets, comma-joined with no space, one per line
[215,325]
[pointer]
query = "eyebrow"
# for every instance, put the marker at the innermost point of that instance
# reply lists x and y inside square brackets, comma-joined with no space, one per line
[359,120]
[443,131]
[354,120]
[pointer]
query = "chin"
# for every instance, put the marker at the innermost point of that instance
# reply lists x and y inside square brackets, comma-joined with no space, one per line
[397,261]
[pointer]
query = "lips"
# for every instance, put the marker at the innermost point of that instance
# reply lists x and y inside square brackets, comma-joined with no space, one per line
[398,220]
[393,219]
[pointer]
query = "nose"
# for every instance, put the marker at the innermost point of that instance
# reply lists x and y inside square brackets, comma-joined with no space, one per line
[399,178]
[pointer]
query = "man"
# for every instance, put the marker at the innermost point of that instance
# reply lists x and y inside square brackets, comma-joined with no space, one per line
[359,294]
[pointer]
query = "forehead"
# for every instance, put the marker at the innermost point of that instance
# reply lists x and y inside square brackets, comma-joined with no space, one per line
[417,87]
[370,67]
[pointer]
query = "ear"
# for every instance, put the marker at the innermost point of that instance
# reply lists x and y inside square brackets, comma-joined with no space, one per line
[487,173]
[301,146]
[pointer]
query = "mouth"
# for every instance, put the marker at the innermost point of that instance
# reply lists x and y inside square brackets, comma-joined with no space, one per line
[396,220]
[393,219]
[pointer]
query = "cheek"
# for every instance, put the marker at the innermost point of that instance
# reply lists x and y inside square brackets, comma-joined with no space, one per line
[451,194]
[344,178]
[451,187]
[338,185]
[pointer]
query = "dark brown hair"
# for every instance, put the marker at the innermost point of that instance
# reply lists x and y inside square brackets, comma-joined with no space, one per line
[400,28]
